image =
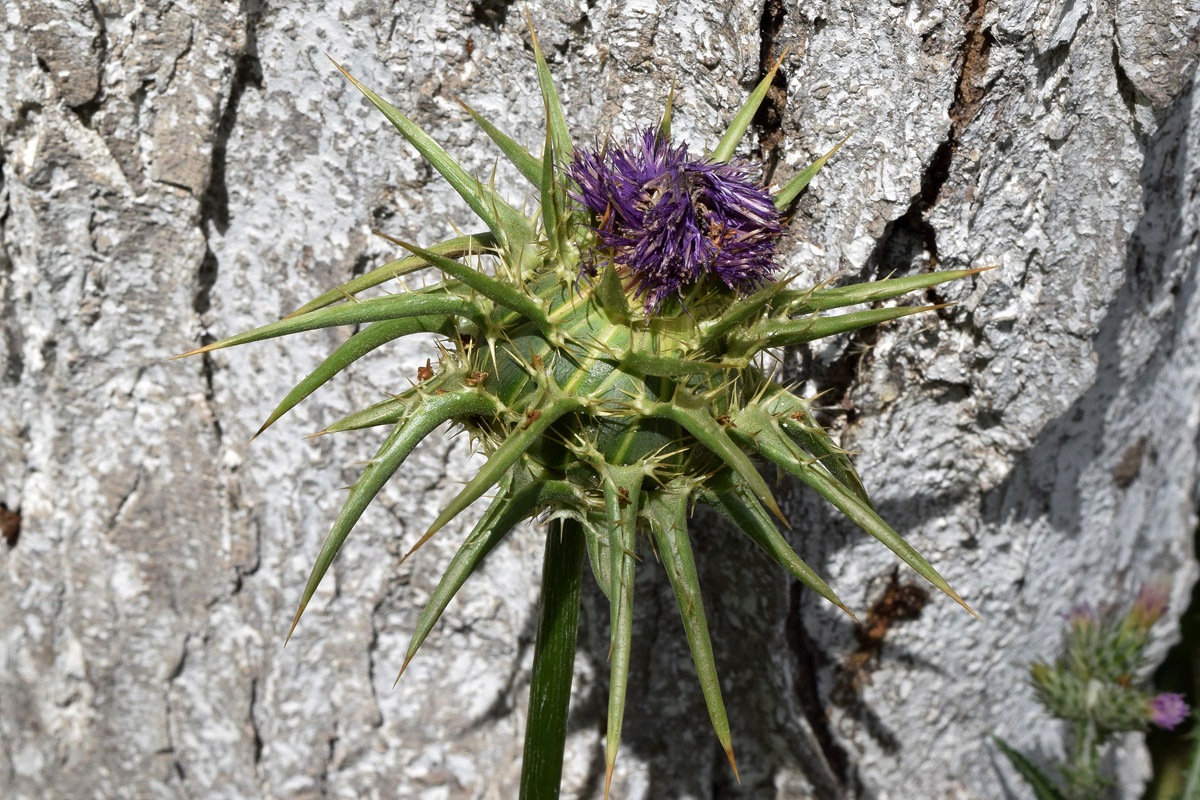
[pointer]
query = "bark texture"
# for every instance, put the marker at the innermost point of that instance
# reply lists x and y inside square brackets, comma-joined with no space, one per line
[175,171]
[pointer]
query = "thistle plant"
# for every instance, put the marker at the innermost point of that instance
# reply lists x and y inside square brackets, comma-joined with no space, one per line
[605,355]
[1093,686]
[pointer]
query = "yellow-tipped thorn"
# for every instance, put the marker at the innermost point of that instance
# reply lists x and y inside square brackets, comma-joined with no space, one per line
[733,764]
[773,507]
[313,435]
[208,348]
[400,675]
[954,596]
[295,622]
[608,773]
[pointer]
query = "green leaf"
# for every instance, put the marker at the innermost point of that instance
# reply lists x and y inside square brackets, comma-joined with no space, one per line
[797,184]
[744,510]
[797,421]
[505,456]
[500,292]
[622,489]
[1043,787]
[405,437]
[738,315]
[400,306]
[553,198]
[556,124]
[611,296]
[741,121]
[806,302]
[475,244]
[773,445]
[664,125]
[668,525]
[509,225]
[690,414]
[784,333]
[394,409]
[526,164]
[373,336]
[511,505]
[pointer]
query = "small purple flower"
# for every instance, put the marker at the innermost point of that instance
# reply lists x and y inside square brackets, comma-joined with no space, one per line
[1168,710]
[667,220]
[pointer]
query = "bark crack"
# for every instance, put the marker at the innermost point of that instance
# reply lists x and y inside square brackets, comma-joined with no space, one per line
[214,204]
[909,243]
[768,120]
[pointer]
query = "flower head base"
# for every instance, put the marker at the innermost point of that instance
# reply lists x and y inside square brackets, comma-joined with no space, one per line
[668,220]
[1168,709]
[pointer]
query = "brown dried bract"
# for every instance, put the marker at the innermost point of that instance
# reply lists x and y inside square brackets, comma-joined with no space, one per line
[476,378]
[426,372]
[532,416]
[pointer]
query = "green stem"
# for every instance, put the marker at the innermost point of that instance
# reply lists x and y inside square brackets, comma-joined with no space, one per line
[553,662]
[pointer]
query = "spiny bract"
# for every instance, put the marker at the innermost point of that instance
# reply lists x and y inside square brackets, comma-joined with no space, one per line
[616,415]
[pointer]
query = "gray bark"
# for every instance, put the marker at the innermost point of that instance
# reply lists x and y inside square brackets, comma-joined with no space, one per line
[176,171]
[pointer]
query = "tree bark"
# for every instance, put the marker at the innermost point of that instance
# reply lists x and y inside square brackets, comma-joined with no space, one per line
[173,172]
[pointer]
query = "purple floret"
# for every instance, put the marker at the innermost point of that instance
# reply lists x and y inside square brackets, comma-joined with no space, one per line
[1168,710]
[668,221]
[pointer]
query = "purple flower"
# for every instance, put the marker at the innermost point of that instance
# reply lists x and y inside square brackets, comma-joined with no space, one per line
[1168,710]
[667,220]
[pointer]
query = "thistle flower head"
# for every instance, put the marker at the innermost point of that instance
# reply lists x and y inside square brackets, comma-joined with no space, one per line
[611,424]
[1168,709]
[669,220]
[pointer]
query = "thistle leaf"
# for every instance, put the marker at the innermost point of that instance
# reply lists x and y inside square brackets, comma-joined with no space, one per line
[394,409]
[744,510]
[622,488]
[664,125]
[773,445]
[709,433]
[807,302]
[792,189]
[739,314]
[405,437]
[785,333]
[400,306]
[526,164]
[668,525]
[556,123]
[612,297]
[475,244]
[553,199]
[497,291]
[741,121]
[509,225]
[1043,787]
[511,505]
[797,421]
[373,336]
[505,456]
